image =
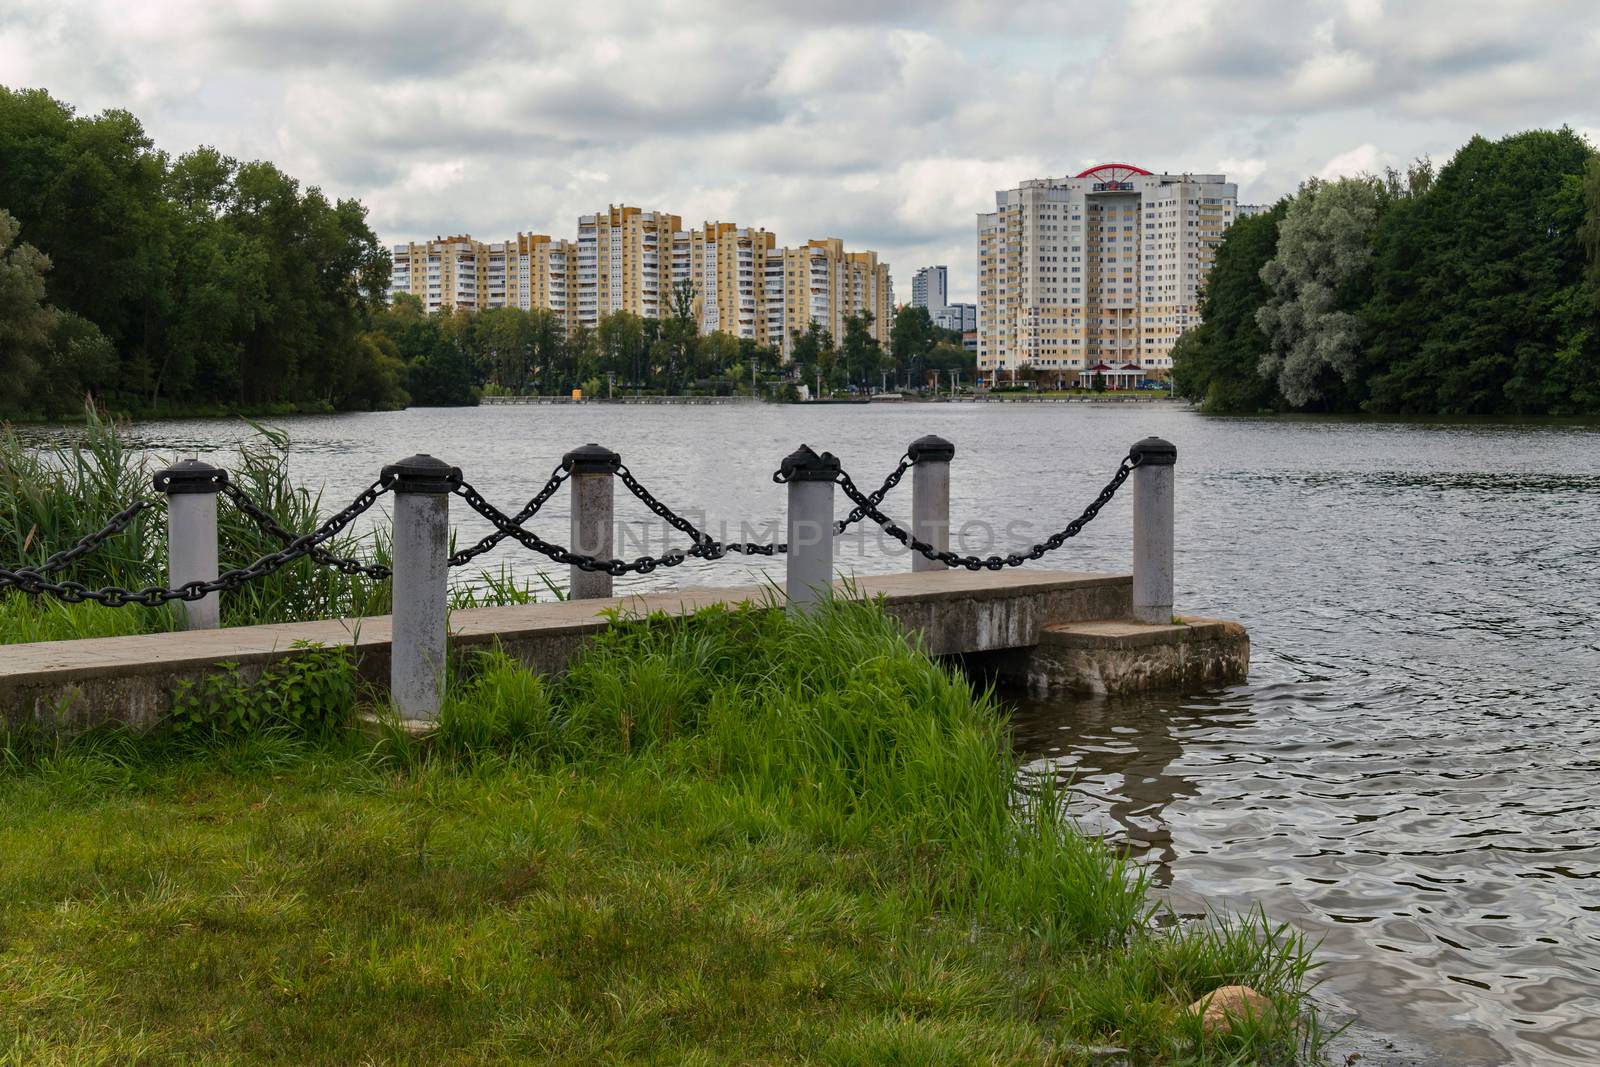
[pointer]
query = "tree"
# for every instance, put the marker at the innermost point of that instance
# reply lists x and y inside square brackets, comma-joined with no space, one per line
[1480,301]
[212,281]
[681,333]
[1219,361]
[860,355]
[911,338]
[812,353]
[47,356]
[1324,253]
[26,321]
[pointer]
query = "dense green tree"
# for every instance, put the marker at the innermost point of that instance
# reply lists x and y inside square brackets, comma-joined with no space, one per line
[215,282]
[860,356]
[1316,283]
[911,339]
[624,348]
[47,356]
[1481,303]
[1219,361]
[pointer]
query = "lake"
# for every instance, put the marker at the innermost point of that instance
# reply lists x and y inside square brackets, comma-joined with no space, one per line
[1413,772]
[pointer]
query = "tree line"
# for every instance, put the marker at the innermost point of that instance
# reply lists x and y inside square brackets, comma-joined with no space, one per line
[452,357]
[155,282]
[1471,291]
[160,284]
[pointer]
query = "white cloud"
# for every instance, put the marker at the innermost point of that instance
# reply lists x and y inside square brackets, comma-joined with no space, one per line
[889,124]
[1362,159]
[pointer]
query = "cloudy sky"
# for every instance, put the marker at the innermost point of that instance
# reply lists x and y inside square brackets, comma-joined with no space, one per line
[887,123]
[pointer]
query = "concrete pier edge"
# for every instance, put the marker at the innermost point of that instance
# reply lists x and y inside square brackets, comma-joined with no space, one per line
[1038,619]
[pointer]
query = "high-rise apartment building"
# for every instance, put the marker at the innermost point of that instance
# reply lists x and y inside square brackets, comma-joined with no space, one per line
[930,288]
[727,265]
[821,282]
[529,271]
[1102,267]
[627,259]
[625,263]
[442,273]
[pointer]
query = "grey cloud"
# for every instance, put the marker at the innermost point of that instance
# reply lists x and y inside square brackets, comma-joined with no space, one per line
[408,40]
[875,122]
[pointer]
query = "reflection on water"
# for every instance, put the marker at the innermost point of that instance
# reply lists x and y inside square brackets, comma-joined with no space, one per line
[1413,772]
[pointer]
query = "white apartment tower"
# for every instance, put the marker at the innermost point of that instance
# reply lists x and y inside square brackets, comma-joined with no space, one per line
[930,288]
[1102,268]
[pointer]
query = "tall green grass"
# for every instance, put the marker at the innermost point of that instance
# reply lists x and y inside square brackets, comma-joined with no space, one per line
[734,838]
[51,495]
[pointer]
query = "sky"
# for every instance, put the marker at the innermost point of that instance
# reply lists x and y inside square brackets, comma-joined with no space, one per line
[889,124]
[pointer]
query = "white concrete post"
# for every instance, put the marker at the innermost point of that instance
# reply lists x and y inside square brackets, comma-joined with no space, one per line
[1153,485]
[191,488]
[809,560]
[593,516]
[421,585]
[930,498]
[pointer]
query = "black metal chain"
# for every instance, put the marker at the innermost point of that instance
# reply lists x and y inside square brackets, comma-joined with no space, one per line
[972,563]
[467,555]
[705,546]
[322,556]
[873,499]
[507,527]
[85,546]
[31,581]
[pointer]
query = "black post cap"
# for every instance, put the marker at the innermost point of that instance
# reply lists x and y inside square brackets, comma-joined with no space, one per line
[591,459]
[931,449]
[190,476]
[421,474]
[804,465]
[1154,452]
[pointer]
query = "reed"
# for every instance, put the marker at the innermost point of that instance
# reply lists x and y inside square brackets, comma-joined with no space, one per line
[52,494]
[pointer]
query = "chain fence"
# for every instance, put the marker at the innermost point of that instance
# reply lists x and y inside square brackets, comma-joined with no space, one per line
[866,506]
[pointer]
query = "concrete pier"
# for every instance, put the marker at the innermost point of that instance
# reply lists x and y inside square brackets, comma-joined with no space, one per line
[77,684]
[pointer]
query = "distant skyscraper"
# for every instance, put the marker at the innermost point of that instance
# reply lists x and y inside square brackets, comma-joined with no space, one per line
[1103,267]
[958,317]
[930,288]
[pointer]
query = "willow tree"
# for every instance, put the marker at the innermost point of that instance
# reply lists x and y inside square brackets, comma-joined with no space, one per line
[1310,320]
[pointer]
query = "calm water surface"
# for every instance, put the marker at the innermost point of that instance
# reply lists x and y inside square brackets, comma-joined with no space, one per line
[1413,772]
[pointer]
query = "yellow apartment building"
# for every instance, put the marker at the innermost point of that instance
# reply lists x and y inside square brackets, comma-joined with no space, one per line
[727,266]
[821,282]
[629,259]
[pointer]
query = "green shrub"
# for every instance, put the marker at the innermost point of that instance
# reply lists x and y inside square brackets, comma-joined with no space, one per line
[310,692]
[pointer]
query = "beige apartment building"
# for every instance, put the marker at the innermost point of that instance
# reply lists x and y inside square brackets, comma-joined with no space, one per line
[628,259]
[625,263]
[1102,268]
[727,266]
[820,281]
[531,270]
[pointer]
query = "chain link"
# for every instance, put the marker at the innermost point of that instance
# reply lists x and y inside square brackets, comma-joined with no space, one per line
[85,546]
[507,527]
[531,508]
[872,500]
[264,519]
[705,546]
[32,581]
[869,508]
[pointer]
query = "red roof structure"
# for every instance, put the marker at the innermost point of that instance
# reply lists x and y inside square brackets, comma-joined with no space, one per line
[1112,172]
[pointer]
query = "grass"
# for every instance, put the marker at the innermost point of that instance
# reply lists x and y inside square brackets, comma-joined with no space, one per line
[738,838]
